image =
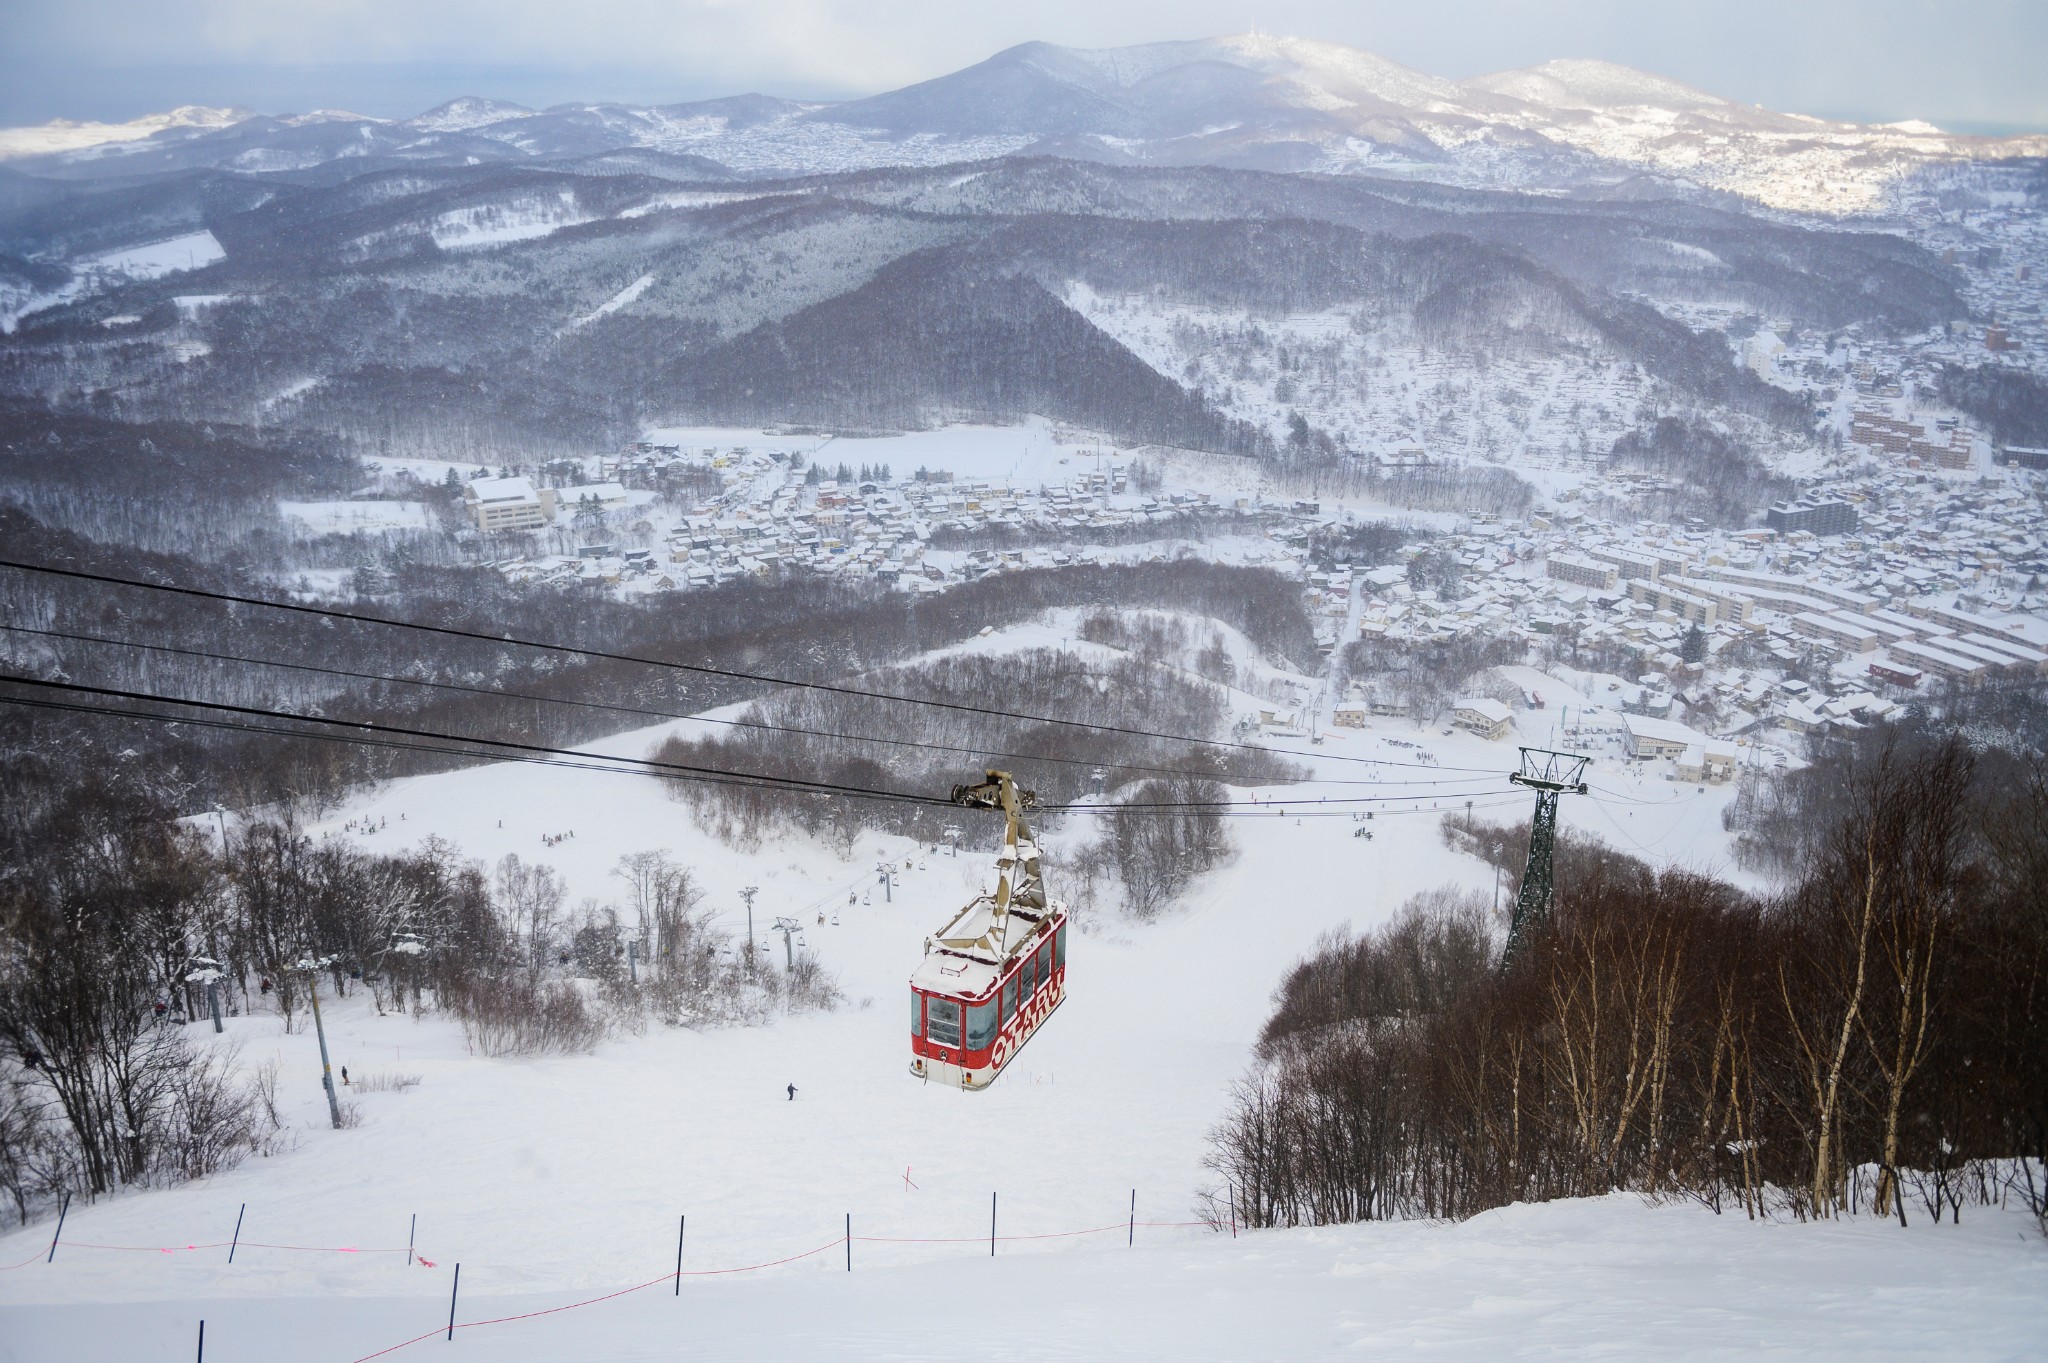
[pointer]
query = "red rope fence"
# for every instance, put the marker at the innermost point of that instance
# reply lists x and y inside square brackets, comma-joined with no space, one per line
[667,1277]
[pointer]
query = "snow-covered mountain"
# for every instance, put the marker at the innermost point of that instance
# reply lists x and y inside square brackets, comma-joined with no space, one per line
[63,135]
[1251,101]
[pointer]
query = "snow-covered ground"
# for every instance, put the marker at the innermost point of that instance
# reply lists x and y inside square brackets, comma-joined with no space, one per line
[1028,454]
[1597,1279]
[345,518]
[151,260]
[188,252]
[555,1180]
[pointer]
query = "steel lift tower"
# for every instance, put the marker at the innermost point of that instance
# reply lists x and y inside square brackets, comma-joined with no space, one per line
[1549,774]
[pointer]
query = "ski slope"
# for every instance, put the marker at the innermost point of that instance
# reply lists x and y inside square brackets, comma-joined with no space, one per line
[554,1180]
[1610,1278]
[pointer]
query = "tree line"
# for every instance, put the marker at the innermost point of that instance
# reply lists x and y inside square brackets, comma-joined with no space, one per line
[865,741]
[1874,1038]
[122,927]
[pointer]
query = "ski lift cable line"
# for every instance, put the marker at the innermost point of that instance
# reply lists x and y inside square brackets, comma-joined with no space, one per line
[1271,810]
[507,749]
[701,669]
[977,753]
[365,741]
[1623,797]
[759,780]
[631,767]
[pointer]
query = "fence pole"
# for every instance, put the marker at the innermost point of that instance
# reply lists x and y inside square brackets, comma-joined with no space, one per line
[236,1242]
[411,1236]
[681,1226]
[62,1211]
[1131,1235]
[457,1287]
[991,1225]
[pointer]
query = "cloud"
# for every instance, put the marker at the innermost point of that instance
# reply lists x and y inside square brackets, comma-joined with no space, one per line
[1875,58]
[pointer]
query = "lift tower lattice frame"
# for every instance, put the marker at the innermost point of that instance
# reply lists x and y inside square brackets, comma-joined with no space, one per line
[1550,774]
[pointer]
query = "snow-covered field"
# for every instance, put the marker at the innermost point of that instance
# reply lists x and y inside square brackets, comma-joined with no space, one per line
[344,518]
[555,1180]
[157,258]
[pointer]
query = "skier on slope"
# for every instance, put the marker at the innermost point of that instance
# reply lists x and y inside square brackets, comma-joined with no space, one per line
[792,1093]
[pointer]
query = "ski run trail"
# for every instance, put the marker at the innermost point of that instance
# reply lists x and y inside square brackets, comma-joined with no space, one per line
[557,1180]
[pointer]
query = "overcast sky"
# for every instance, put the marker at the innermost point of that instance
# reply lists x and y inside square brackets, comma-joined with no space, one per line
[1976,65]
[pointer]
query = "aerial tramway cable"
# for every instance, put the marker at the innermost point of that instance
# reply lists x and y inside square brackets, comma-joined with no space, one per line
[479,636]
[426,740]
[977,753]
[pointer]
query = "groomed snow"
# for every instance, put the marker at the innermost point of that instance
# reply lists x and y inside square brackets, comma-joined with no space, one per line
[1596,1279]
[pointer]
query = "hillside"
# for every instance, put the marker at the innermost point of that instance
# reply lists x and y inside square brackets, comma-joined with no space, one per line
[555,1180]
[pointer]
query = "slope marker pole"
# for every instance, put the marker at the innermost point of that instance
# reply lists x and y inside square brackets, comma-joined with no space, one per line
[681,1226]
[456,1287]
[1131,1235]
[236,1242]
[849,1242]
[411,1236]
[991,1225]
[57,1234]
[202,1342]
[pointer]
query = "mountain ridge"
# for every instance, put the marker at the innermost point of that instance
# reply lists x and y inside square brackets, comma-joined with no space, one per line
[1252,101]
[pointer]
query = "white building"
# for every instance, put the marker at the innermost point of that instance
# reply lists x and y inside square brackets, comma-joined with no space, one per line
[1483,716]
[500,504]
[1651,737]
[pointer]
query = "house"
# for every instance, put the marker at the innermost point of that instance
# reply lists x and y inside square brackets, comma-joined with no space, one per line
[501,504]
[1713,760]
[1647,737]
[1350,715]
[1801,718]
[1483,716]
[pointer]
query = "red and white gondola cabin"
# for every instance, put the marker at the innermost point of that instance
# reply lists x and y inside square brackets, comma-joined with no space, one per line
[994,974]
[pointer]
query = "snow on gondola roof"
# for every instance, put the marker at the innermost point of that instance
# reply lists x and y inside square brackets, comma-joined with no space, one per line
[944,972]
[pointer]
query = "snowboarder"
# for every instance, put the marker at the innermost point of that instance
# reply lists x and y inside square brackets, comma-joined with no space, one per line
[792,1093]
